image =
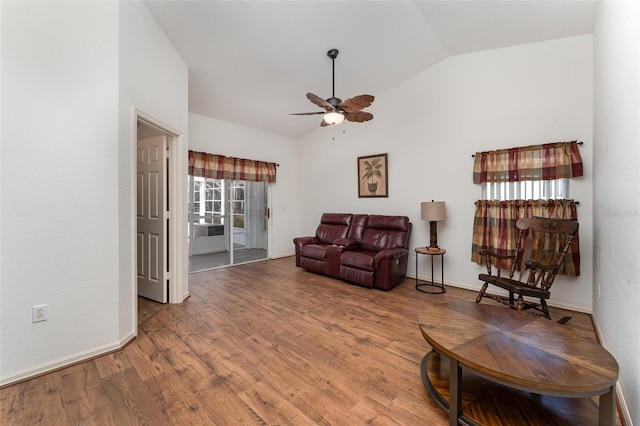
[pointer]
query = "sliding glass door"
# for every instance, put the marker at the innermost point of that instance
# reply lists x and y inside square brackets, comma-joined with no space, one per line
[249,219]
[228,222]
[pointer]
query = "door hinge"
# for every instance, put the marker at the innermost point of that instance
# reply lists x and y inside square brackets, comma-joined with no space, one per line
[167,154]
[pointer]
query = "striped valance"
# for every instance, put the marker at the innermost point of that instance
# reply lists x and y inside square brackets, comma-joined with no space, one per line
[215,166]
[535,162]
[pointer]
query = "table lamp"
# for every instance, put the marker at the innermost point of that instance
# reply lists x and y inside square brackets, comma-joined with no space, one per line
[433,211]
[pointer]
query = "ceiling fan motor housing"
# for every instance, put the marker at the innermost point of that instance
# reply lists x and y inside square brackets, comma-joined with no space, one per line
[334,101]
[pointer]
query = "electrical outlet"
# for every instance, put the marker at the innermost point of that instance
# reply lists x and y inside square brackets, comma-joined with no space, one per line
[38,313]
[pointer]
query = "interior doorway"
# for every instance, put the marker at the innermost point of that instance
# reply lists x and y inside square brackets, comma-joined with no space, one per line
[144,126]
[152,212]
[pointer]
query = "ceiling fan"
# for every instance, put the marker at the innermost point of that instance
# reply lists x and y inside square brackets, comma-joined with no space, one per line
[335,110]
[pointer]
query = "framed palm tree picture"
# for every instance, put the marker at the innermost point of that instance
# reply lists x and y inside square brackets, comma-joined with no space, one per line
[373,178]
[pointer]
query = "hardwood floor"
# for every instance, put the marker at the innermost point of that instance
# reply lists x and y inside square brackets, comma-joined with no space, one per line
[260,343]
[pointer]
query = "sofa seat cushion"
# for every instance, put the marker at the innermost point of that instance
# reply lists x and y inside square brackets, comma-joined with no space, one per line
[358,259]
[314,251]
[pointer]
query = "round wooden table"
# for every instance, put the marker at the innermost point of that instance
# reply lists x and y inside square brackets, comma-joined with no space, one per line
[491,363]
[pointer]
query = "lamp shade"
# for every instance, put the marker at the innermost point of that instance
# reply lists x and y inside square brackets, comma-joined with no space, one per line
[333,117]
[433,211]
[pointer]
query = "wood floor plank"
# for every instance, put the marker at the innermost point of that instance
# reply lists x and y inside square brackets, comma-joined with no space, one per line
[299,384]
[272,407]
[225,407]
[177,400]
[261,343]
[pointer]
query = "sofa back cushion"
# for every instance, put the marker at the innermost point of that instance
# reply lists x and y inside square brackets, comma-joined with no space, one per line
[385,232]
[358,225]
[333,226]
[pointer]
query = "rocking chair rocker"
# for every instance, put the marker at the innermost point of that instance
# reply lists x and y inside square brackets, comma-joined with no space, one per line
[545,242]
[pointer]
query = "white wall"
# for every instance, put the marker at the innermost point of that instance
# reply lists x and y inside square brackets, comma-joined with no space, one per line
[73,75]
[153,81]
[59,183]
[432,124]
[219,137]
[617,198]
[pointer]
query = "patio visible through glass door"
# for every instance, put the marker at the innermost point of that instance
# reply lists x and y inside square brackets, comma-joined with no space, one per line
[228,222]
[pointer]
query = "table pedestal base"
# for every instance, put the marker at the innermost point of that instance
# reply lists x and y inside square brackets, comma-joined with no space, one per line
[488,403]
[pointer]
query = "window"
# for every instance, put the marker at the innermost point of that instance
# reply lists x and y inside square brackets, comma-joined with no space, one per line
[208,200]
[523,182]
[526,190]
[196,197]
[217,203]
[237,203]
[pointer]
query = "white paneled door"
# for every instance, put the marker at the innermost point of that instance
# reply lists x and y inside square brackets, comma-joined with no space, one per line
[152,219]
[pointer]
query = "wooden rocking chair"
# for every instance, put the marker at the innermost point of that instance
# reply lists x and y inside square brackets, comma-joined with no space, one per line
[545,243]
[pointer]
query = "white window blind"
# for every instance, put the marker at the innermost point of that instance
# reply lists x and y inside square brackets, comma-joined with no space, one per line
[526,190]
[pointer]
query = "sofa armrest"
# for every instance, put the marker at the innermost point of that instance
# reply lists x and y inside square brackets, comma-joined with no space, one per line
[394,253]
[300,242]
[303,241]
[389,254]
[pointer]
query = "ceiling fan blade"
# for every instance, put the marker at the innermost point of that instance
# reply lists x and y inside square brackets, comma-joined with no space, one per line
[317,100]
[324,123]
[356,103]
[358,116]
[308,113]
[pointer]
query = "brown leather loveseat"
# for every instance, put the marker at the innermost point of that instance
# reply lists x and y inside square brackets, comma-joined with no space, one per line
[368,250]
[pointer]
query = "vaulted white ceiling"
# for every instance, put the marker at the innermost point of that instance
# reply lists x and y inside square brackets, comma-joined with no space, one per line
[252,62]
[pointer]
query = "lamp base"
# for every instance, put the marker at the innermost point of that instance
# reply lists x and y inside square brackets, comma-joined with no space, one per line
[433,238]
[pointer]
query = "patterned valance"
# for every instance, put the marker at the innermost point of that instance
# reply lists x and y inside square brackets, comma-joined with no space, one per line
[215,166]
[535,162]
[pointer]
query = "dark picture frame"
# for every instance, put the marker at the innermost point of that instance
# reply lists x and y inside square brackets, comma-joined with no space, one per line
[373,176]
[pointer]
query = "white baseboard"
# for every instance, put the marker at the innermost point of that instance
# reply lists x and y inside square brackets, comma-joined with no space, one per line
[65,361]
[278,256]
[624,409]
[498,291]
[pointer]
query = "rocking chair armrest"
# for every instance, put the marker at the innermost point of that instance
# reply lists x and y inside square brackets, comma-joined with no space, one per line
[488,254]
[496,255]
[532,264]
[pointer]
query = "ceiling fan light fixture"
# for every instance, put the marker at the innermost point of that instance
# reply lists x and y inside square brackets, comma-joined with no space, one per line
[333,118]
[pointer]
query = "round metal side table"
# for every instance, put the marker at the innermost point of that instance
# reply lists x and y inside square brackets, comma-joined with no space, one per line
[431,287]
